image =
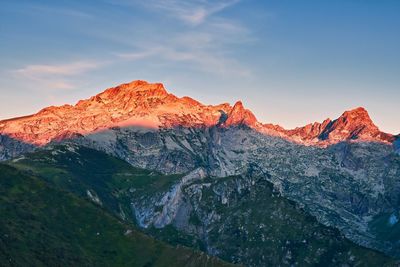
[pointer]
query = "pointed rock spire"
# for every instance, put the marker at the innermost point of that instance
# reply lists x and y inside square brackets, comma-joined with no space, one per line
[239,115]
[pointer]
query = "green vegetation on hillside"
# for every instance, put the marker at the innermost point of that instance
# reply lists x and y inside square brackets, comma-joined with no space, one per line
[80,169]
[41,225]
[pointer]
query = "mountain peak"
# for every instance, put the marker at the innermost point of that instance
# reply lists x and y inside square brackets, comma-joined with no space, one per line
[135,83]
[359,113]
[135,87]
[357,109]
[238,105]
[239,115]
[354,124]
[355,118]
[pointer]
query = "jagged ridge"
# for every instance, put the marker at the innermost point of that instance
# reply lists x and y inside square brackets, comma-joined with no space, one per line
[149,105]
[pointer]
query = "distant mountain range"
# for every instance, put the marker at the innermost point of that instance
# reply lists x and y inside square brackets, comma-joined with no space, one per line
[216,179]
[149,105]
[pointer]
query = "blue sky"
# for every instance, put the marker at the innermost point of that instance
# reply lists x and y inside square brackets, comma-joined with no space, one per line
[290,62]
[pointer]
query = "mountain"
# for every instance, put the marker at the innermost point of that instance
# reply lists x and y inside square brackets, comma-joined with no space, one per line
[345,173]
[41,225]
[133,104]
[240,219]
[142,104]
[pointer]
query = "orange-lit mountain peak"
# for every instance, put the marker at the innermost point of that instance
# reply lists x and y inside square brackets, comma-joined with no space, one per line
[355,119]
[357,114]
[354,124]
[238,105]
[138,88]
[357,110]
[239,115]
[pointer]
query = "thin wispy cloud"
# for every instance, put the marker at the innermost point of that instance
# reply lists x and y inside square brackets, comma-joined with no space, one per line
[55,76]
[193,12]
[62,69]
[197,58]
[203,43]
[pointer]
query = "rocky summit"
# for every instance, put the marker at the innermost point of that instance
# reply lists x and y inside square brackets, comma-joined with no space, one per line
[354,124]
[221,163]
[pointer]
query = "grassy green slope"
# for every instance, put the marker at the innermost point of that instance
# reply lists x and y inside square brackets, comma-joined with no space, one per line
[41,225]
[79,169]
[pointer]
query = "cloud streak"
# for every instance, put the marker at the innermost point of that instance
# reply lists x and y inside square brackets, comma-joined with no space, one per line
[192,12]
[205,42]
[55,76]
[198,58]
[61,69]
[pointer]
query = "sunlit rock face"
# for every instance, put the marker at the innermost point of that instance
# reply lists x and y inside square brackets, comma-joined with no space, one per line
[238,115]
[351,125]
[146,105]
[137,103]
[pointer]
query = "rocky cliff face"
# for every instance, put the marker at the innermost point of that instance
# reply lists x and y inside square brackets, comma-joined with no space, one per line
[347,185]
[11,147]
[243,219]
